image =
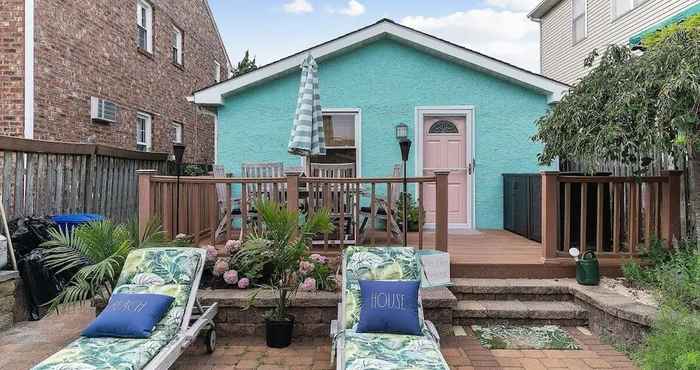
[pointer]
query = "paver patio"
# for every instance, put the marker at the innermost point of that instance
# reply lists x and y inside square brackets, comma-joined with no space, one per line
[30,342]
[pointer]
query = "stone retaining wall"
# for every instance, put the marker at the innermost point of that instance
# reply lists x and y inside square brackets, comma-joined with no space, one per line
[613,315]
[313,312]
[7,299]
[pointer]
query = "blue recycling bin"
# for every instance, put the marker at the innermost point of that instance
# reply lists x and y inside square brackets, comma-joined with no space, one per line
[68,222]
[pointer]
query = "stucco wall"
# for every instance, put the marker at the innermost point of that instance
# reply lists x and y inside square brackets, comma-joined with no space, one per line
[387,80]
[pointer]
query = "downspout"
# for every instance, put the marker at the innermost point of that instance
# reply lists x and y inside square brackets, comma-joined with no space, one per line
[29,69]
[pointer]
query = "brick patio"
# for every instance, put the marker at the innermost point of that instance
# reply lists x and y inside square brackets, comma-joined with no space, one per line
[30,342]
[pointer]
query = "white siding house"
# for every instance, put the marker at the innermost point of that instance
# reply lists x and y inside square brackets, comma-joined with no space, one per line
[562,52]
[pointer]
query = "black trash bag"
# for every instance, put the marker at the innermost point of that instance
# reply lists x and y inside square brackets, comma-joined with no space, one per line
[40,283]
[29,232]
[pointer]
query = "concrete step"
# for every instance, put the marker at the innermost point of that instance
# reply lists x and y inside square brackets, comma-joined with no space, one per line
[511,289]
[515,312]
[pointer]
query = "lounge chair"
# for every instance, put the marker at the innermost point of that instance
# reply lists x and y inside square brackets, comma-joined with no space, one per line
[356,351]
[171,271]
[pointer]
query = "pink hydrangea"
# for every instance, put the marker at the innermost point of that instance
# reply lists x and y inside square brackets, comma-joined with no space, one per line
[243,283]
[309,284]
[232,245]
[220,267]
[212,253]
[318,258]
[305,267]
[231,277]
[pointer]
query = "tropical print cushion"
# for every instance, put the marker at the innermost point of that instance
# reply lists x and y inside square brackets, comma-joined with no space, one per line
[169,271]
[369,351]
[375,263]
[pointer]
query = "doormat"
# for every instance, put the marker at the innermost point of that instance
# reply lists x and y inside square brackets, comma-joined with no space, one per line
[524,337]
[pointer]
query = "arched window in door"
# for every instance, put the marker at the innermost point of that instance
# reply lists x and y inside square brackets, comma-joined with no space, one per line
[443,127]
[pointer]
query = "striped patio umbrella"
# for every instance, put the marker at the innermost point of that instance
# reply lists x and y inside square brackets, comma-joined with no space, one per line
[307,132]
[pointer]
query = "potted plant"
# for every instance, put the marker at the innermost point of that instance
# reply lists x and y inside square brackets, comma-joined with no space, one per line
[282,239]
[94,254]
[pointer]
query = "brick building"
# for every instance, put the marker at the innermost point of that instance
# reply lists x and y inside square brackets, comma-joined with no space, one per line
[110,72]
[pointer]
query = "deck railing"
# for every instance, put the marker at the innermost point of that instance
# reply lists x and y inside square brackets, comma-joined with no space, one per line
[611,215]
[207,204]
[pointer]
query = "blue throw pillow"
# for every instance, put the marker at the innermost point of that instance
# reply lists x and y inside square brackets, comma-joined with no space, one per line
[389,307]
[129,316]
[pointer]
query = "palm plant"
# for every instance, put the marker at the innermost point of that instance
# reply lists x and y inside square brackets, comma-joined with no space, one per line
[98,251]
[286,241]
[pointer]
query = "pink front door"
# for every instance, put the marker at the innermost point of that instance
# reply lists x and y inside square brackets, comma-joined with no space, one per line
[445,147]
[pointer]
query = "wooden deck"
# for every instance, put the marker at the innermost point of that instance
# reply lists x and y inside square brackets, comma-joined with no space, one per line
[494,254]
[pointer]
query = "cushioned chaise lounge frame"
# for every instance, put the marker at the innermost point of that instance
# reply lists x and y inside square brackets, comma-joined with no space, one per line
[190,327]
[338,327]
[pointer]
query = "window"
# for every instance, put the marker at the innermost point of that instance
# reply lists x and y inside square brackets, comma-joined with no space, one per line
[217,71]
[621,7]
[176,133]
[177,46]
[579,20]
[443,127]
[144,25]
[143,132]
[339,133]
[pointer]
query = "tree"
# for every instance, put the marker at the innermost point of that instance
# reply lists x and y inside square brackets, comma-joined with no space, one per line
[629,106]
[245,65]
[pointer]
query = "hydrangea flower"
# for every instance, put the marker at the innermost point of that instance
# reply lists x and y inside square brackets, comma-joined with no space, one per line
[212,253]
[305,267]
[220,267]
[319,258]
[309,284]
[243,283]
[232,246]
[231,277]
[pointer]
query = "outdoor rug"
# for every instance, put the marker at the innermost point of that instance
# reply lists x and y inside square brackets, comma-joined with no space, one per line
[524,337]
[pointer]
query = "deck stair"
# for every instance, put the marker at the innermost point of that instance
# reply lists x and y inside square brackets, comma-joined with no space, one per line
[515,302]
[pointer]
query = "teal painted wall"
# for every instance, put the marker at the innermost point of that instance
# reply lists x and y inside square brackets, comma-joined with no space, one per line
[387,80]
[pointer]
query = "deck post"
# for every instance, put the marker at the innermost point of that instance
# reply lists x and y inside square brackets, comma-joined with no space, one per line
[550,214]
[145,198]
[292,190]
[670,206]
[441,204]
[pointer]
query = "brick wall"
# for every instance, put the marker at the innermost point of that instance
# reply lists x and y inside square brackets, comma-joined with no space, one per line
[88,48]
[11,67]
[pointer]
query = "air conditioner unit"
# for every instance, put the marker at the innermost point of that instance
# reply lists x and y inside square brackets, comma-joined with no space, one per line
[102,110]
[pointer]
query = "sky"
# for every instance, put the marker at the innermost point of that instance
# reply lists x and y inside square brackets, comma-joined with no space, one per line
[274,29]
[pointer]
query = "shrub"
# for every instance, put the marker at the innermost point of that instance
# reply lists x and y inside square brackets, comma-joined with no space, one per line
[674,342]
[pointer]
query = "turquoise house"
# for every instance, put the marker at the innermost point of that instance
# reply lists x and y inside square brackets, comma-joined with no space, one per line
[467,112]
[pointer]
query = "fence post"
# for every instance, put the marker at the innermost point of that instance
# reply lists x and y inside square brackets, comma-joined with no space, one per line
[441,201]
[671,206]
[292,190]
[145,199]
[550,214]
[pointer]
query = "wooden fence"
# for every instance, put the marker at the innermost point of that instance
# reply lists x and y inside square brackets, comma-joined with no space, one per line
[45,178]
[611,215]
[353,203]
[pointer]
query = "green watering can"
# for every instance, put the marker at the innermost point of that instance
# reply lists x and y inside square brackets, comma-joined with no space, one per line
[587,269]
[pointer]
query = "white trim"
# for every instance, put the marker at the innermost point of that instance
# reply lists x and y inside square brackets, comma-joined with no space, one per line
[29,69]
[554,90]
[470,131]
[179,36]
[148,26]
[574,41]
[217,71]
[148,120]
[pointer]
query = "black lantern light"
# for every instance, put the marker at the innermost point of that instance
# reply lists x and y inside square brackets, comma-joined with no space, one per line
[405,145]
[179,152]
